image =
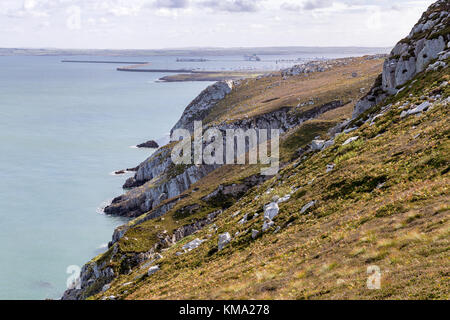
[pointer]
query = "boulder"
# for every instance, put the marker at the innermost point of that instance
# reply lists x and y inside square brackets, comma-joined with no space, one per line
[350,129]
[350,140]
[436,66]
[224,239]
[284,199]
[152,270]
[271,211]
[317,145]
[254,233]
[193,244]
[420,108]
[328,144]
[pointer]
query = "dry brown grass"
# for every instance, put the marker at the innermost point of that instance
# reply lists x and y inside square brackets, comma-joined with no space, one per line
[258,96]
[401,225]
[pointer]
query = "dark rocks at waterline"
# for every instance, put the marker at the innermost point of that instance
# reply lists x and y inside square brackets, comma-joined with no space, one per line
[123,171]
[152,144]
[132,183]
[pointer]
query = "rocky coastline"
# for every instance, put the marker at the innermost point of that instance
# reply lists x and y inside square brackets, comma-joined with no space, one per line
[158,185]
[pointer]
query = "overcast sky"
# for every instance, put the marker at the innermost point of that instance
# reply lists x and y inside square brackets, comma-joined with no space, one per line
[151,24]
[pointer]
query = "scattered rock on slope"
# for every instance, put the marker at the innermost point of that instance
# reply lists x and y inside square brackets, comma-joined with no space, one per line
[224,239]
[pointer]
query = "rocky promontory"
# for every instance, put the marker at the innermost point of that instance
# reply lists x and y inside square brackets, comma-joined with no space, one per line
[428,41]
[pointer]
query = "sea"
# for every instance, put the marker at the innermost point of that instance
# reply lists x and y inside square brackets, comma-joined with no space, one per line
[65,128]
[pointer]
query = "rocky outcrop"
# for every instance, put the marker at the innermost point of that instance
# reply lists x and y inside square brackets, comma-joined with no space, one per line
[375,96]
[152,144]
[320,66]
[158,175]
[200,106]
[93,276]
[283,119]
[96,275]
[427,41]
[148,196]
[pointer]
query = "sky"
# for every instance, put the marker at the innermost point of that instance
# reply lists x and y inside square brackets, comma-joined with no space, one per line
[155,24]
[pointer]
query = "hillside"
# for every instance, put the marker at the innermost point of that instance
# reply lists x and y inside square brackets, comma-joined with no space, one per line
[364,182]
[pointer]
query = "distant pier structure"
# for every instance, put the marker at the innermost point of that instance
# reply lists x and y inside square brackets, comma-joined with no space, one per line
[106,61]
[191,60]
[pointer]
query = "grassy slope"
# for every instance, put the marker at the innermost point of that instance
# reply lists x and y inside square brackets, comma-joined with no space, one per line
[259,96]
[401,226]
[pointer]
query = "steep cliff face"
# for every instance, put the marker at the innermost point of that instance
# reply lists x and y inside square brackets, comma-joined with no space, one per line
[427,41]
[200,106]
[158,179]
[172,202]
[168,184]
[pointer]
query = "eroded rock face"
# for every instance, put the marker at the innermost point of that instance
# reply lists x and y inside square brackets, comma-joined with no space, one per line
[148,196]
[201,105]
[427,41]
[157,175]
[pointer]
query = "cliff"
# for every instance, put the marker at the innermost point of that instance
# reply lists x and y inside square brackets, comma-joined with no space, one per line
[363,182]
[185,195]
[428,41]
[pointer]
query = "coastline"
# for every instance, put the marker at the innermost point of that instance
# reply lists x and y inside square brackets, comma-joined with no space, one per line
[160,204]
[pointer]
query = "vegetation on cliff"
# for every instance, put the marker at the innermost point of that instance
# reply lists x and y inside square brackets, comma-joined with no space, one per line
[361,185]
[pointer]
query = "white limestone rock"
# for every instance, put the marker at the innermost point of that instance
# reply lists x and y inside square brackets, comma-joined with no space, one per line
[152,270]
[350,140]
[307,206]
[271,211]
[420,108]
[193,244]
[317,145]
[284,199]
[330,167]
[224,239]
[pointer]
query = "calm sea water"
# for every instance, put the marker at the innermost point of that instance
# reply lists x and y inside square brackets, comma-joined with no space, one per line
[64,127]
